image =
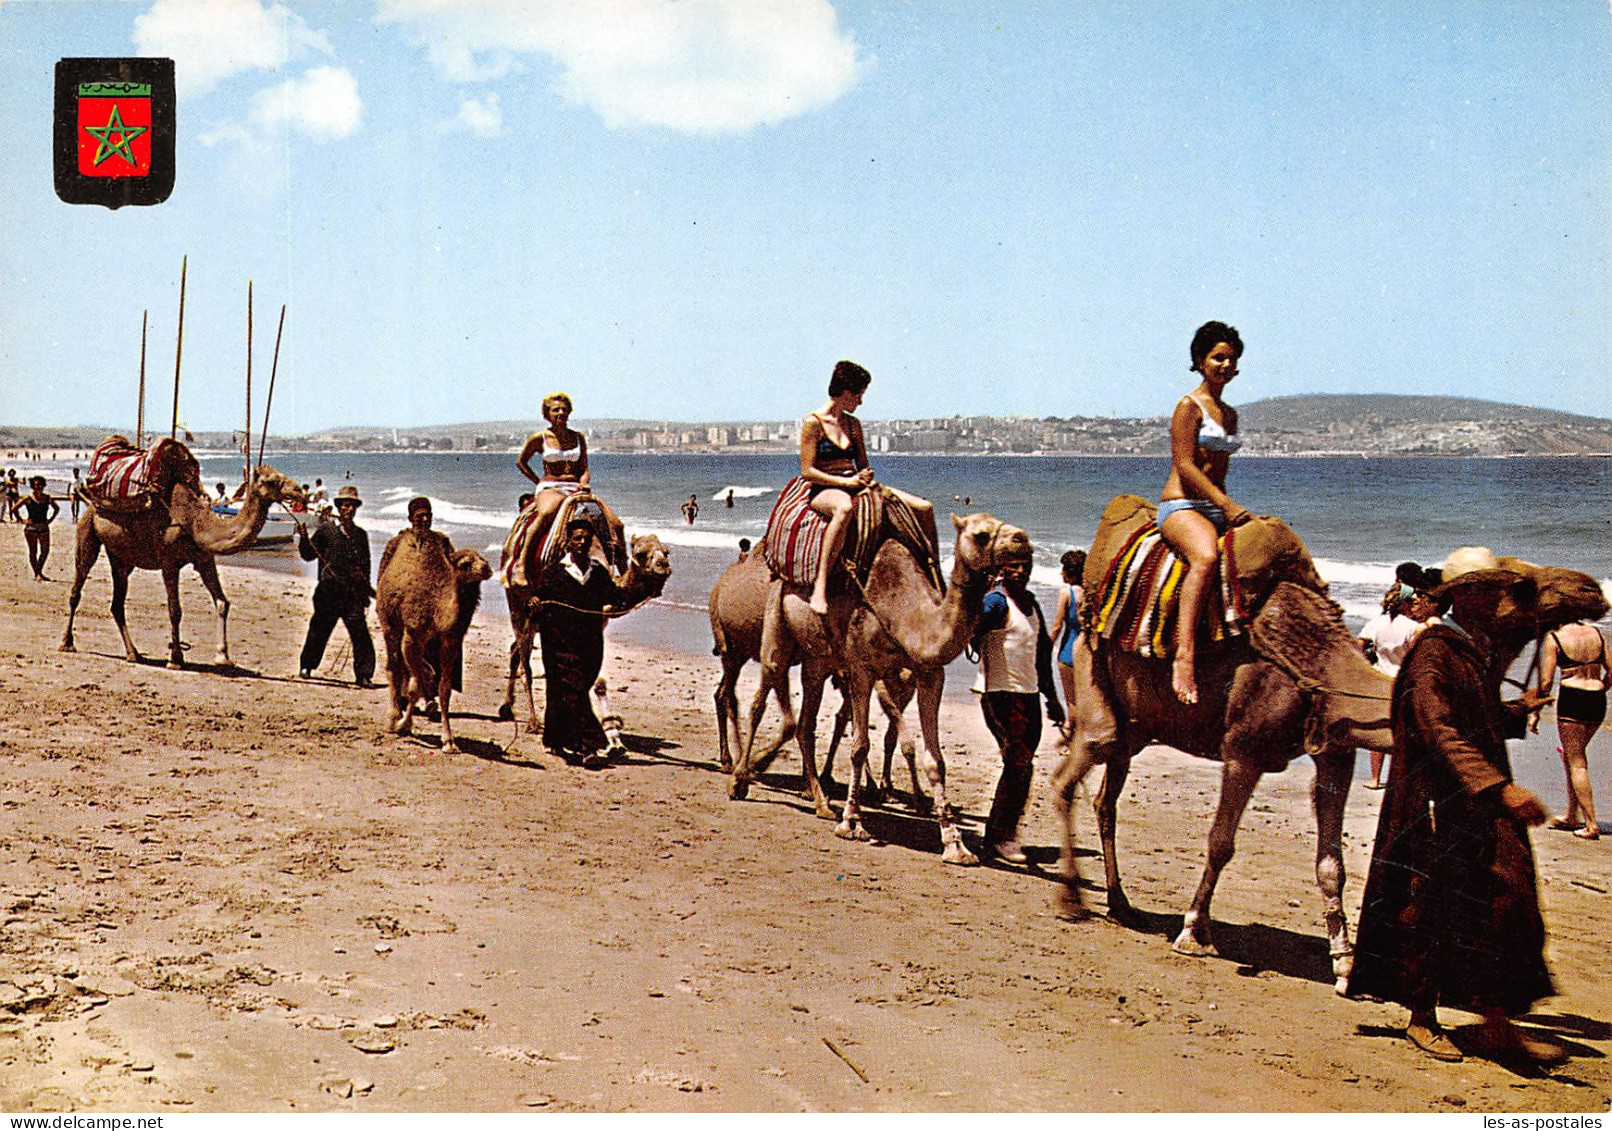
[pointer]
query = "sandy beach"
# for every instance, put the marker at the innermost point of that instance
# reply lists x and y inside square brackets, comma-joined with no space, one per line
[233,891]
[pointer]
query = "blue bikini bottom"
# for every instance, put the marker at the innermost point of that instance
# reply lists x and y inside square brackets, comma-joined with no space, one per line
[1203,506]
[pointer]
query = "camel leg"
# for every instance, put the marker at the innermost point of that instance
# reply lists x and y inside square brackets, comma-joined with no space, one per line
[859,690]
[1238,778]
[87,547]
[527,639]
[1077,762]
[506,709]
[727,713]
[207,570]
[842,719]
[450,660]
[813,678]
[120,596]
[930,685]
[411,662]
[397,679]
[1106,804]
[176,650]
[1329,793]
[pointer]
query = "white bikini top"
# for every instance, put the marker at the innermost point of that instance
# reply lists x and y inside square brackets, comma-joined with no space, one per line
[1212,435]
[562,455]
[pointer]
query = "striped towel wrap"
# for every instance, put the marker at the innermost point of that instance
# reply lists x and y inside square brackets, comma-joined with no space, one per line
[578,501]
[794,539]
[1136,609]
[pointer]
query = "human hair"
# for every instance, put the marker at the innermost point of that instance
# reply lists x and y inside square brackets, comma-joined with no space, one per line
[556,399]
[1210,335]
[744,545]
[849,377]
[1073,561]
[577,521]
[419,503]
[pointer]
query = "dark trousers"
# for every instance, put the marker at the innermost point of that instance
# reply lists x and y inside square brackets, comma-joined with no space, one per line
[330,606]
[1014,720]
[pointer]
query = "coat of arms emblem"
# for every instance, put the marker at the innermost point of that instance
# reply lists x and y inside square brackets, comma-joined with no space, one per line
[114,138]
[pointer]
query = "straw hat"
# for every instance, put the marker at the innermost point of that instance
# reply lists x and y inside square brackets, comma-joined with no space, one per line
[349,494]
[1474,565]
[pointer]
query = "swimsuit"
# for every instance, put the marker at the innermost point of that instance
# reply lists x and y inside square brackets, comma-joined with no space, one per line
[1581,704]
[1071,628]
[562,455]
[828,451]
[1212,435]
[1203,506]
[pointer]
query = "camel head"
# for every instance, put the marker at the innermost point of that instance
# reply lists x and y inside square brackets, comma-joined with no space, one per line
[1548,598]
[273,487]
[984,542]
[469,567]
[652,562]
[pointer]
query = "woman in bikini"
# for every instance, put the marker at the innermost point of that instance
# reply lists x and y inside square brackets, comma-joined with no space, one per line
[564,453]
[834,460]
[1194,509]
[1066,623]
[1579,652]
[42,511]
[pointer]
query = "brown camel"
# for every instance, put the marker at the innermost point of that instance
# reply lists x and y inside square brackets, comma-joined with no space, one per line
[1295,684]
[425,595]
[645,579]
[177,529]
[899,619]
[737,607]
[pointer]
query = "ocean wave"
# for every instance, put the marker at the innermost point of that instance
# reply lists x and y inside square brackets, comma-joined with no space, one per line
[740,492]
[446,511]
[689,536]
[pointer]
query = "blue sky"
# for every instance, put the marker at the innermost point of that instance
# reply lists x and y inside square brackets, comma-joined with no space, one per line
[689,209]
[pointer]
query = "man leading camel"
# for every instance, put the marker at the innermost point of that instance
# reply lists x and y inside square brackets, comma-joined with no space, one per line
[571,627]
[343,591]
[1451,910]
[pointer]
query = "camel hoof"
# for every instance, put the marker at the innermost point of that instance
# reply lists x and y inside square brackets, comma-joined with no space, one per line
[451,748]
[174,665]
[825,811]
[848,830]
[533,728]
[67,647]
[959,855]
[1342,966]
[725,765]
[738,790]
[1068,906]
[1189,944]
[923,803]
[506,713]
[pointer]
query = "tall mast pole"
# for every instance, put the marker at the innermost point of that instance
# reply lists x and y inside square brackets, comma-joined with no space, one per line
[274,371]
[140,414]
[179,346]
[246,469]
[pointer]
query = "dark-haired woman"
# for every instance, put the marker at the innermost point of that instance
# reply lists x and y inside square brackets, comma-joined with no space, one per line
[834,460]
[1194,509]
[1066,623]
[42,510]
[1579,652]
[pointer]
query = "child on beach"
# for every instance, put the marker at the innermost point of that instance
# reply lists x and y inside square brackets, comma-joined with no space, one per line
[42,511]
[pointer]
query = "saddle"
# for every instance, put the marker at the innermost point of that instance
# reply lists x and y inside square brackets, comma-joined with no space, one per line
[512,565]
[793,543]
[125,479]
[1139,596]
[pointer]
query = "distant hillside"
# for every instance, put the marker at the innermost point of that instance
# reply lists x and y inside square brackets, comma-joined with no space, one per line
[1321,410]
[1388,423]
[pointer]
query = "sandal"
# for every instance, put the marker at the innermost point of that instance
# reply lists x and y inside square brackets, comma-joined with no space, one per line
[1434,1042]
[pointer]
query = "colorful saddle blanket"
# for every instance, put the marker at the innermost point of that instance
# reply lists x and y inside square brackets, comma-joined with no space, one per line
[512,566]
[1138,599]
[793,543]
[122,477]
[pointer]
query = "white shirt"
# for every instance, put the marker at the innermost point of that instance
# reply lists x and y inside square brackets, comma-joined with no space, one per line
[1007,655]
[1393,637]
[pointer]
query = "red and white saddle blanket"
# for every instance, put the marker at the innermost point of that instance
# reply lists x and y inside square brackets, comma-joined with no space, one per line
[121,475]
[579,501]
[1138,600]
[794,539]
[793,543]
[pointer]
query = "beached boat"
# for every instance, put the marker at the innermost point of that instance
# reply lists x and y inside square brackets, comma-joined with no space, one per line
[278,529]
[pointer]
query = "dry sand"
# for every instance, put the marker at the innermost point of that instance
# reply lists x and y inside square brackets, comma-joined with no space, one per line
[233,891]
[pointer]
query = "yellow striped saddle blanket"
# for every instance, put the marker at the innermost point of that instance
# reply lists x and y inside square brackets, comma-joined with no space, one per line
[1136,608]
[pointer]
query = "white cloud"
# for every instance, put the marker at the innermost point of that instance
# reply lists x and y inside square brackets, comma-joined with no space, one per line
[323,103]
[697,66]
[211,40]
[480,116]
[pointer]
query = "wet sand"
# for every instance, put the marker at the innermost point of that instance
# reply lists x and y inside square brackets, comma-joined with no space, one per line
[233,891]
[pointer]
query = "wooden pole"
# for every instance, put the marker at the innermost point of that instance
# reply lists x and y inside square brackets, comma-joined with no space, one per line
[179,346]
[246,448]
[274,371]
[140,415]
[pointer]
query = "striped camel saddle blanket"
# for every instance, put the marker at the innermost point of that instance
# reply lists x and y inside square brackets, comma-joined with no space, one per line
[1136,608]
[123,477]
[793,543]
[513,568]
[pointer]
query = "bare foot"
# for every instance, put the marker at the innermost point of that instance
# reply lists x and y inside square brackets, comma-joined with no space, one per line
[1588,832]
[1374,784]
[818,604]
[1565,823]
[1184,679]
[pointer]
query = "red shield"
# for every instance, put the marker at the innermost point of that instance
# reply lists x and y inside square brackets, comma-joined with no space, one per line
[114,132]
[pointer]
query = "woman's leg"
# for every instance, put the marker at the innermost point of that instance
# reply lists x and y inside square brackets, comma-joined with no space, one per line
[1575,738]
[32,538]
[1195,538]
[1066,676]
[1376,781]
[44,551]
[834,505]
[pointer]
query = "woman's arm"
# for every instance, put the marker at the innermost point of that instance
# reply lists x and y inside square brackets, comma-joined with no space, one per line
[1547,663]
[582,477]
[859,450]
[534,445]
[55,509]
[1060,618]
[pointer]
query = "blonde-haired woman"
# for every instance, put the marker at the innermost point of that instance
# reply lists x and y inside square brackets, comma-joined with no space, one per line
[563,453]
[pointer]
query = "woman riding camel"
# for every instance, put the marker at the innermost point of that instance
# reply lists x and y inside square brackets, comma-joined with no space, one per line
[564,453]
[1195,510]
[834,460]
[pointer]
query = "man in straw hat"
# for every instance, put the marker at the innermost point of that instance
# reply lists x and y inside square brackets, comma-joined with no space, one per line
[1451,910]
[343,591]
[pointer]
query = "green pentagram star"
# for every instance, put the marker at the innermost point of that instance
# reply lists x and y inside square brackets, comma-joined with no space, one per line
[104,135]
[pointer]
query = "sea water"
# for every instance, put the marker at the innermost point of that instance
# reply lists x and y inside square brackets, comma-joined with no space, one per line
[1358,516]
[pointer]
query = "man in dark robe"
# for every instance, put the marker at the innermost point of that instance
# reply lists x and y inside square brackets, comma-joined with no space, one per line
[343,591]
[1451,912]
[571,627]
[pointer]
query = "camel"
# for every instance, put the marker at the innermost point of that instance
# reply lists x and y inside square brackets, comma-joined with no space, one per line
[737,606]
[645,579]
[1297,683]
[177,529]
[899,619]
[424,599]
